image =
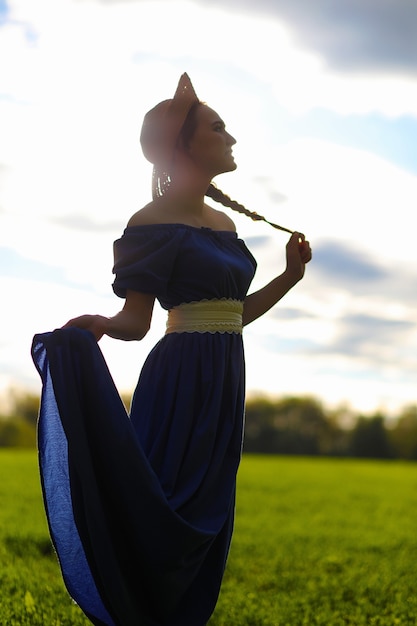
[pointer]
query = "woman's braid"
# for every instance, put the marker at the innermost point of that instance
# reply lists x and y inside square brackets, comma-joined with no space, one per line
[216,194]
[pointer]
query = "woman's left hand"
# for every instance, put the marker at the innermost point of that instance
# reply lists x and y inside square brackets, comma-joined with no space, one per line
[298,253]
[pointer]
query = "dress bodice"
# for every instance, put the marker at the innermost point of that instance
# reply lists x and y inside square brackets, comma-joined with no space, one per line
[180,263]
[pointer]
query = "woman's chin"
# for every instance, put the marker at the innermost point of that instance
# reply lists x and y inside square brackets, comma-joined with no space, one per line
[231,166]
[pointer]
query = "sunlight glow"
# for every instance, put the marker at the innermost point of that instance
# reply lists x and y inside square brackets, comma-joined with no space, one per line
[71,173]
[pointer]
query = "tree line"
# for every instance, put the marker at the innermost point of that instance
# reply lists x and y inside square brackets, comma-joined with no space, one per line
[302,425]
[289,425]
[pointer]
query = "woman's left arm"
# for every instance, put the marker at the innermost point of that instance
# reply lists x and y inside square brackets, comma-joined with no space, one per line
[298,253]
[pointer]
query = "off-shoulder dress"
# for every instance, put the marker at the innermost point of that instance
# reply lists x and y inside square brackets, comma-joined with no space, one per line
[140,507]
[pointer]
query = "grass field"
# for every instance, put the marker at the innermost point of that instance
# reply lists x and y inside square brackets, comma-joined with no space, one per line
[317,542]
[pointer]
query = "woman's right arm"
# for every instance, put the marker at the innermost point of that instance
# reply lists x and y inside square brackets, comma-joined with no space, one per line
[131,323]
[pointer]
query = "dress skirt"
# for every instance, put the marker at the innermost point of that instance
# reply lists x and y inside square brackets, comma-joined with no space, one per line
[140,507]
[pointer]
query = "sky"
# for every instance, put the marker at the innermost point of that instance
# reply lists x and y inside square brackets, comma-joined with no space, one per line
[322,99]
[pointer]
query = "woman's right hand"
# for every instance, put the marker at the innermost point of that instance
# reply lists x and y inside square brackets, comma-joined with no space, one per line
[97,324]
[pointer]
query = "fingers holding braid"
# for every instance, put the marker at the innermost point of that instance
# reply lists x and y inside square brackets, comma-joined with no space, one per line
[304,248]
[298,253]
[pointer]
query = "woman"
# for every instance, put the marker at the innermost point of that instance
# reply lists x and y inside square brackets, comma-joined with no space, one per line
[141,508]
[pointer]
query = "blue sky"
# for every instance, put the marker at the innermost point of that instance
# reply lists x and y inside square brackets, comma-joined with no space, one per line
[322,99]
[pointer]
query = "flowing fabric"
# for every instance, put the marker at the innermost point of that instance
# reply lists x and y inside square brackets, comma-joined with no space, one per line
[140,507]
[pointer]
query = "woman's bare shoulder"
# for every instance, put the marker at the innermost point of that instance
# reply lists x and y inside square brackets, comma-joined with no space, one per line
[146,215]
[220,220]
[160,212]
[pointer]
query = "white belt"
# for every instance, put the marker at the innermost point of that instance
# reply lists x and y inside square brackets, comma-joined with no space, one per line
[206,316]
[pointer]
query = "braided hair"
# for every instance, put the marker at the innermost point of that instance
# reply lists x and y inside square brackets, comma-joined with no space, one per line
[217,194]
[214,192]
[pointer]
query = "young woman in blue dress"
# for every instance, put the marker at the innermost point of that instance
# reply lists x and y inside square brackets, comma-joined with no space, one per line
[141,506]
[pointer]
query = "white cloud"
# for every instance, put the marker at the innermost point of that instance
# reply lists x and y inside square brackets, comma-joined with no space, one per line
[348,194]
[76,94]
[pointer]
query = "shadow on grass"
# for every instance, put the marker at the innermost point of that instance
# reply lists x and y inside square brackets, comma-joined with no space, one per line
[22,547]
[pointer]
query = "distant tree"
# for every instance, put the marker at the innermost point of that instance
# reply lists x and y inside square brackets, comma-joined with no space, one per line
[16,433]
[403,436]
[25,405]
[336,440]
[18,425]
[292,425]
[370,439]
[302,424]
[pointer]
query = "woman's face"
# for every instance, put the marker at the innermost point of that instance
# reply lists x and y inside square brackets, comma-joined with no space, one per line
[210,146]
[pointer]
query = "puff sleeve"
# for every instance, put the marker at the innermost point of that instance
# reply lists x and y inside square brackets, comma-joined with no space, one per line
[144,259]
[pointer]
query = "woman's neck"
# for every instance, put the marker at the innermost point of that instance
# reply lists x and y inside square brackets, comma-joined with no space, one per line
[188,192]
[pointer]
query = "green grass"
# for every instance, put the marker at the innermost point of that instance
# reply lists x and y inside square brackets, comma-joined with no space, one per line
[321,541]
[317,542]
[32,591]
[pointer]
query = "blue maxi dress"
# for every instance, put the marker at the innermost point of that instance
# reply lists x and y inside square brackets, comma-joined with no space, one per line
[140,508]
